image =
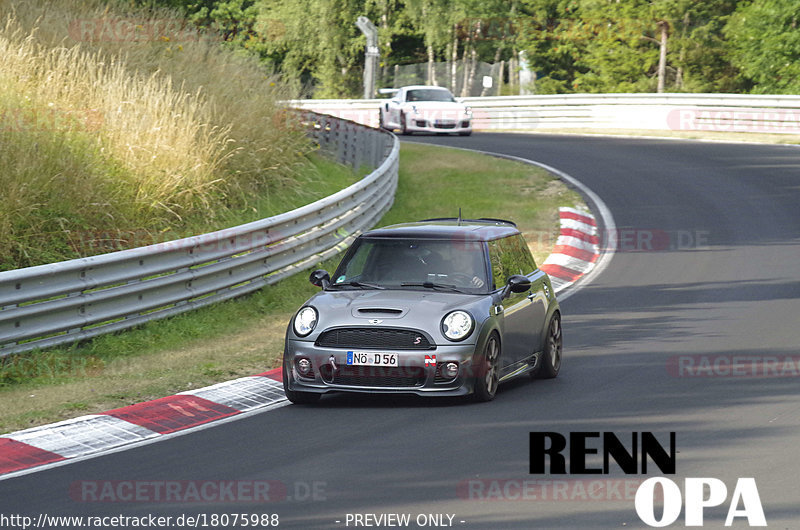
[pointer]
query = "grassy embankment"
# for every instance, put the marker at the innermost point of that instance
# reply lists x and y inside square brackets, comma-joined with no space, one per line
[245,337]
[122,127]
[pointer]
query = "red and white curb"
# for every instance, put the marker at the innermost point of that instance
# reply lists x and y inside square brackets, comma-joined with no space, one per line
[576,251]
[575,254]
[99,433]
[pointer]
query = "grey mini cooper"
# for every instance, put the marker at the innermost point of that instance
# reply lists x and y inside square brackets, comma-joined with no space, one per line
[440,307]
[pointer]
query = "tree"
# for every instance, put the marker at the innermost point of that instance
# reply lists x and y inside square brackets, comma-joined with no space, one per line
[315,39]
[764,42]
[630,45]
[628,39]
[699,52]
[553,37]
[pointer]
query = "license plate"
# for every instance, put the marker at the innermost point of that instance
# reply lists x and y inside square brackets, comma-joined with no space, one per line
[362,358]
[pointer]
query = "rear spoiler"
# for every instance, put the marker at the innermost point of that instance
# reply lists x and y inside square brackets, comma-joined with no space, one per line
[391,91]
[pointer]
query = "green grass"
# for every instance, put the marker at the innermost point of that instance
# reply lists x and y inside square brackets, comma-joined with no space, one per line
[440,181]
[245,337]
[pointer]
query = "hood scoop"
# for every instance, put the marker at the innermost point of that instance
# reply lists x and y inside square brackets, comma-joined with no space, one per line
[379,312]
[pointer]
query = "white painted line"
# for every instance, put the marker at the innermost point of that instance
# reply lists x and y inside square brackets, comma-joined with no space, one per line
[606,218]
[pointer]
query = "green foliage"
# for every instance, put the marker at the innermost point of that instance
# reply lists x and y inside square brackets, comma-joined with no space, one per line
[317,38]
[610,46]
[622,55]
[550,33]
[698,48]
[764,42]
[573,45]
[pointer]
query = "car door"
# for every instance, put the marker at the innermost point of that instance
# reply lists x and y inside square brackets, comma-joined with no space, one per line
[395,104]
[523,313]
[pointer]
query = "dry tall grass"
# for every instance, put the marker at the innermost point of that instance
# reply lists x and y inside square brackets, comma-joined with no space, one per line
[127,119]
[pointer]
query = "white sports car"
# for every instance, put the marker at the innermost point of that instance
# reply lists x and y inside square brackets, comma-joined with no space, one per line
[421,108]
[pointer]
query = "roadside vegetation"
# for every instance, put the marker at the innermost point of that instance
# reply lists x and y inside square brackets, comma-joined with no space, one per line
[122,126]
[574,46]
[245,337]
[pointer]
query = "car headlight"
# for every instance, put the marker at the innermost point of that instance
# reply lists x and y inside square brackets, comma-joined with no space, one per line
[457,325]
[305,321]
[467,111]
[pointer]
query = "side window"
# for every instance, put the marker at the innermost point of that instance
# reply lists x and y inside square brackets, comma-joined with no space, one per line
[509,256]
[524,258]
[501,265]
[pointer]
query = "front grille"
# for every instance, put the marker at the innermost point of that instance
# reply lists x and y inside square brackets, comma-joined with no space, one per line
[373,376]
[445,125]
[374,338]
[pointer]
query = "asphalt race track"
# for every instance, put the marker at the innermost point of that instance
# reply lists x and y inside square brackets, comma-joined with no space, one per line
[693,328]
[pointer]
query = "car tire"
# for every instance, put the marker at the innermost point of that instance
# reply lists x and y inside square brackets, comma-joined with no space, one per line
[550,360]
[381,121]
[487,370]
[298,398]
[465,133]
[403,129]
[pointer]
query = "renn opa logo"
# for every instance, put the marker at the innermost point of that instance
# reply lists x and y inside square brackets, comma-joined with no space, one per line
[585,457]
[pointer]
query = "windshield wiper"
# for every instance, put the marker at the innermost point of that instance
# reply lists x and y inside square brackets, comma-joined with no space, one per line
[363,285]
[431,285]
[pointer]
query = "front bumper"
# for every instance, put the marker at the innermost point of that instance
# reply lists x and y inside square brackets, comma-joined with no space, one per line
[421,124]
[413,375]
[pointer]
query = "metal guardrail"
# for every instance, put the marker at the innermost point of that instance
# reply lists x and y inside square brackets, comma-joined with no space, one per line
[676,112]
[64,302]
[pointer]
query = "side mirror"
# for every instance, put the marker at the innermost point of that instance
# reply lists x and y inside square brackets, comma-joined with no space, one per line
[516,284]
[321,278]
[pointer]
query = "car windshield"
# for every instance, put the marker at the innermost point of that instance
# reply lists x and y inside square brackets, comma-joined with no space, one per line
[429,94]
[421,264]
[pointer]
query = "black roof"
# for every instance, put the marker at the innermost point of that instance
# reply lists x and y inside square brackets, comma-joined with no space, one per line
[448,228]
